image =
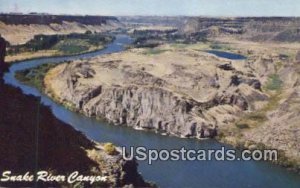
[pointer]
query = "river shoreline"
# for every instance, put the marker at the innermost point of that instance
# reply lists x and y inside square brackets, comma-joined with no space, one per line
[50,56]
[51,153]
[88,156]
[115,128]
[283,161]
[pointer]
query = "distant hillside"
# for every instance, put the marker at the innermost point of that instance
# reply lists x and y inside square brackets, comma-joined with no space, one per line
[44,19]
[20,28]
[282,29]
[170,21]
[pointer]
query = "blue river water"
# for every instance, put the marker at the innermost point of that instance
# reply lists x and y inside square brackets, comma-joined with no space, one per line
[204,174]
[227,55]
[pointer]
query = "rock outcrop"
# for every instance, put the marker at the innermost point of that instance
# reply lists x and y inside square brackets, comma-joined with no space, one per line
[19,29]
[62,150]
[119,172]
[175,101]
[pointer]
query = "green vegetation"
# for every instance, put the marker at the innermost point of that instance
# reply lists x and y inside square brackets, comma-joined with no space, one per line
[66,44]
[242,125]
[34,77]
[153,38]
[218,46]
[153,51]
[179,45]
[258,117]
[110,149]
[72,46]
[274,82]
[278,65]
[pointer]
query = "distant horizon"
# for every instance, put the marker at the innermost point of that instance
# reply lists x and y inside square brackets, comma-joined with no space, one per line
[204,16]
[172,8]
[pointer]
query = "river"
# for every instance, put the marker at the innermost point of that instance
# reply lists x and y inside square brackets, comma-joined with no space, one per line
[227,174]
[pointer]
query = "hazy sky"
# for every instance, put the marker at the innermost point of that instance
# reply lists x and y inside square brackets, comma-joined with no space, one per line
[157,7]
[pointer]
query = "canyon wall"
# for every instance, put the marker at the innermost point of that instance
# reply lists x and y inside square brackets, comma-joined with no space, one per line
[18,29]
[280,29]
[61,149]
[181,101]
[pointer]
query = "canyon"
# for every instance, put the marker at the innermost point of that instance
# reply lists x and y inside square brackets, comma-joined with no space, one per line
[68,151]
[175,79]
[183,90]
[20,28]
[28,144]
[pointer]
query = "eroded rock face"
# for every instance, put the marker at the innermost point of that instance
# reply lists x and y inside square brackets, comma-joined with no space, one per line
[278,29]
[170,96]
[148,108]
[19,29]
[62,149]
[119,172]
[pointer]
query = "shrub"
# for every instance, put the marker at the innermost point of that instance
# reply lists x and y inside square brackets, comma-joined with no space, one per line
[242,125]
[260,117]
[110,149]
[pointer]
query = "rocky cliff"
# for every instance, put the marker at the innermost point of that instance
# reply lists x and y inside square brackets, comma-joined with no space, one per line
[281,29]
[46,19]
[183,93]
[182,90]
[61,149]
[20,28]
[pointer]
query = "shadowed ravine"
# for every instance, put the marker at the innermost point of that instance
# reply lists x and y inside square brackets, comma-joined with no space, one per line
[164,173]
